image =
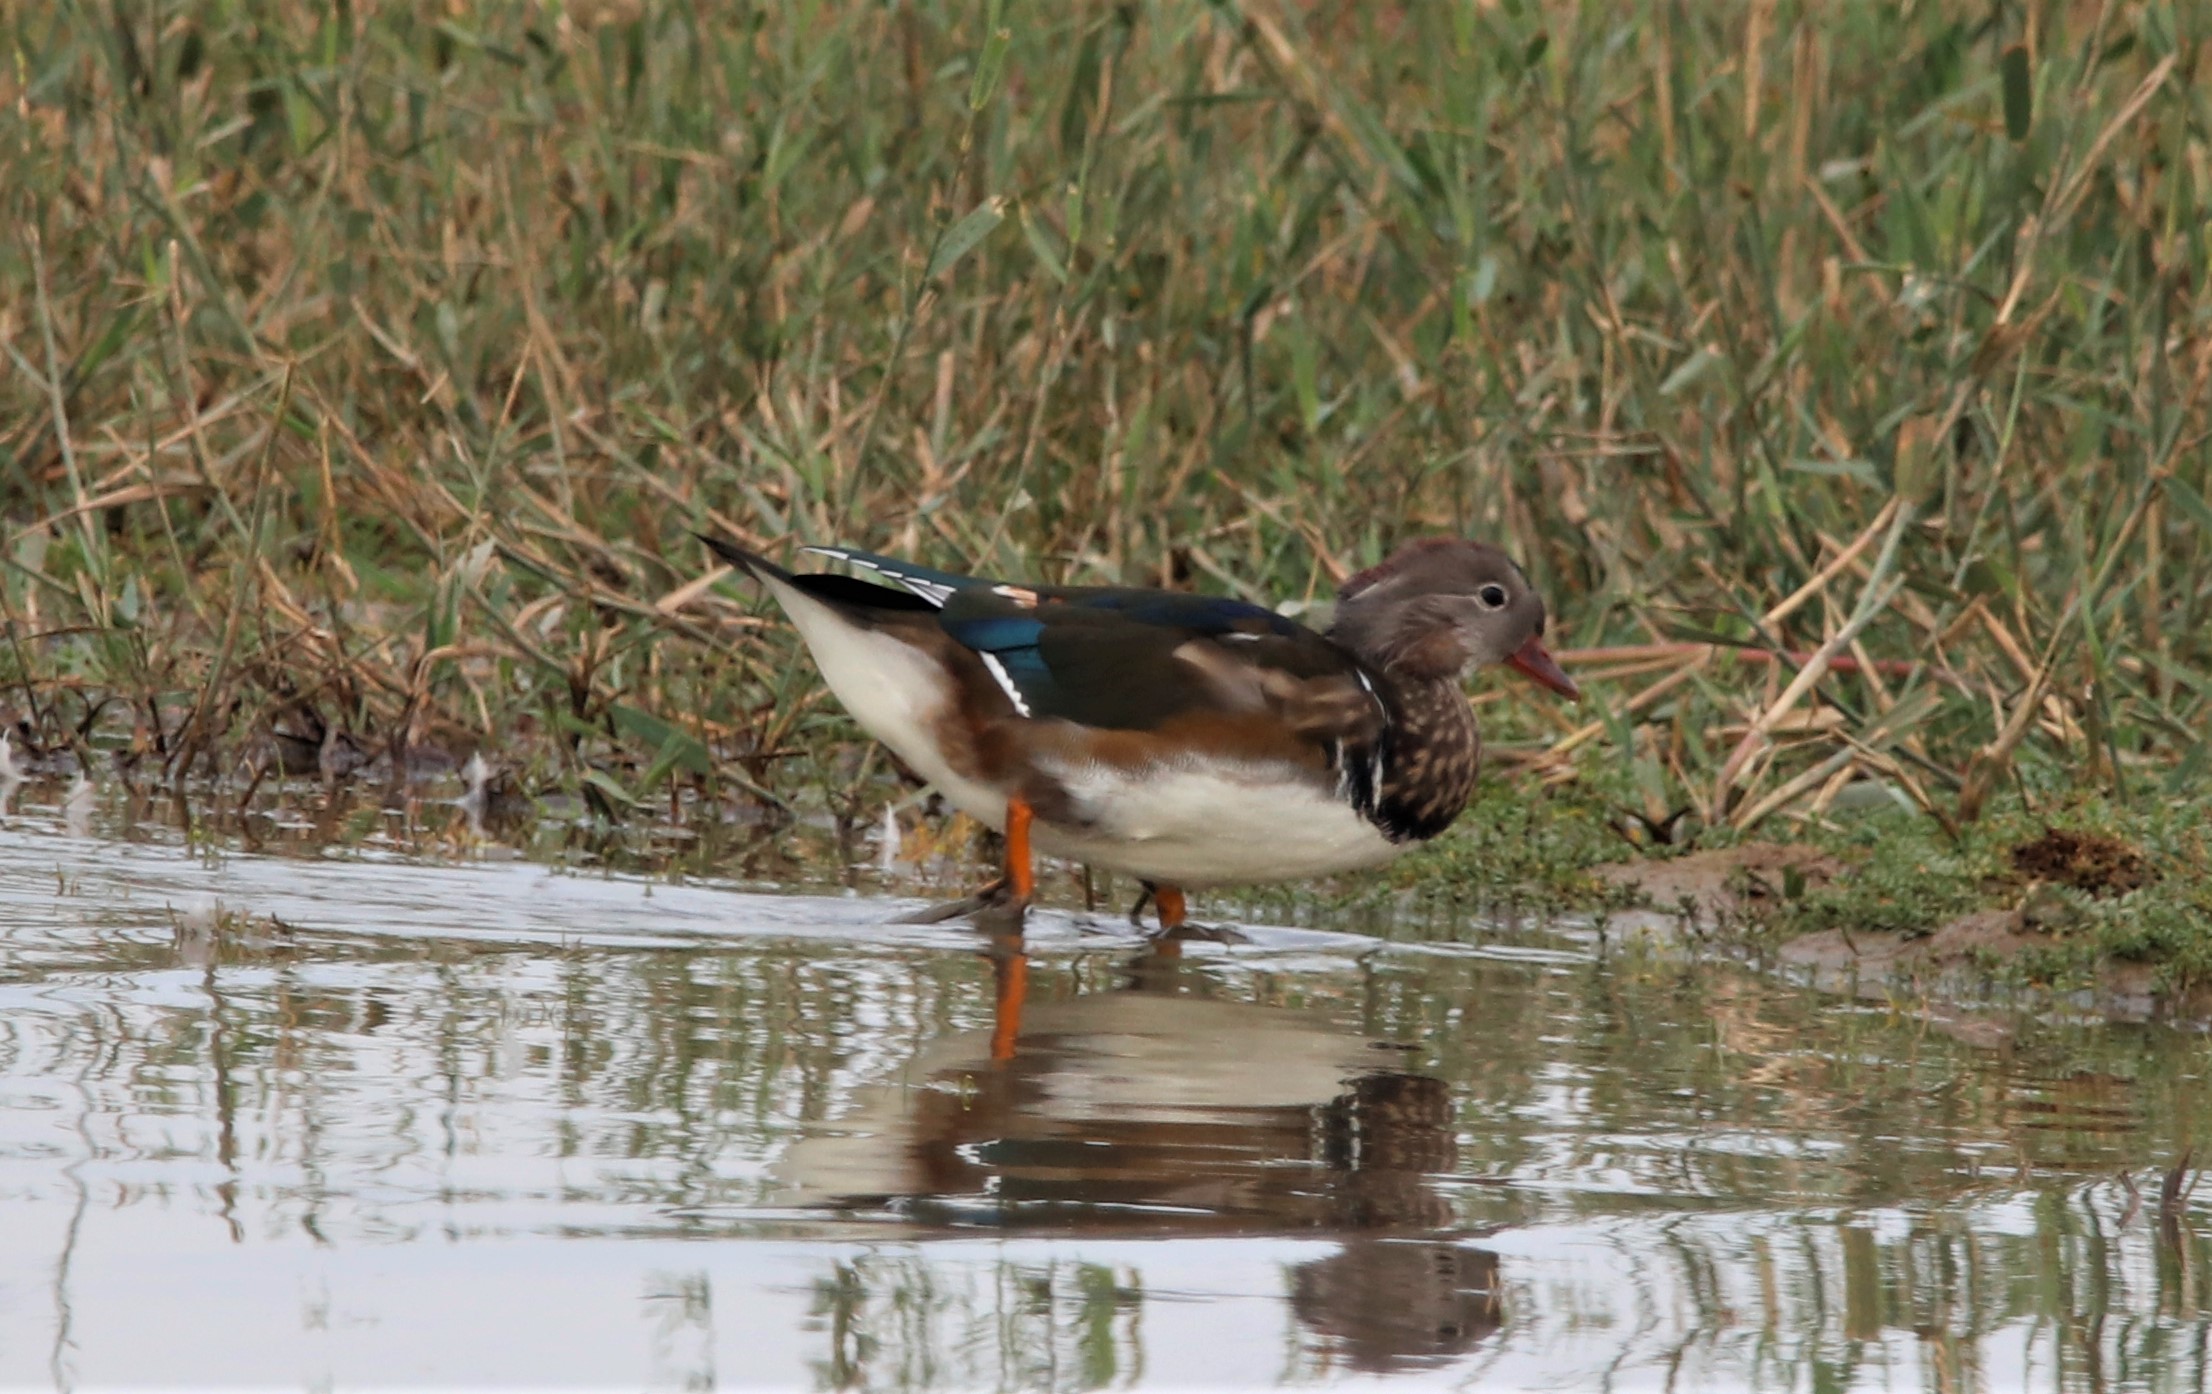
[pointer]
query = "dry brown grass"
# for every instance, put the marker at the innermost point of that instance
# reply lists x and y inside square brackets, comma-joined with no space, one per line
[368,368]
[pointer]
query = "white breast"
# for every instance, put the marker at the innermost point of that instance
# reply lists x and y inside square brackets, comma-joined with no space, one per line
[1211,823]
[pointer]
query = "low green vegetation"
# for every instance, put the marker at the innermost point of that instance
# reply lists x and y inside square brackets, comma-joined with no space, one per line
[2132,883]
[1840,371]
[2078,880]
[1524,847]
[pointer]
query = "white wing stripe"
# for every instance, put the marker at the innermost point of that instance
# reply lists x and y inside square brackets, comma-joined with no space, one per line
[998,672]
[935,592]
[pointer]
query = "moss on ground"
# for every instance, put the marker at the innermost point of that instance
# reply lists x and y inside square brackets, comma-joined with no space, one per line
[1523,846]
[1902,873]
[1909,877]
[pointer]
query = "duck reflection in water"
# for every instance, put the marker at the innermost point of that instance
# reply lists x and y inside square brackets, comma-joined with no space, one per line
[1156,1110]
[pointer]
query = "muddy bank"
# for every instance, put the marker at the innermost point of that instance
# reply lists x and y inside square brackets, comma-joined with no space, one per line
[2031,942]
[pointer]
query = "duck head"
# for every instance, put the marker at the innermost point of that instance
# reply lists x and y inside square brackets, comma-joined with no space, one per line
[1442,606]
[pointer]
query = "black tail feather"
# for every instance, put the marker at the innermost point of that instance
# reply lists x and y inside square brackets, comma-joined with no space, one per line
[751,563]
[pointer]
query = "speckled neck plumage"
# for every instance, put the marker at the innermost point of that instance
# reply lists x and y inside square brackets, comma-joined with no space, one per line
[1427,758]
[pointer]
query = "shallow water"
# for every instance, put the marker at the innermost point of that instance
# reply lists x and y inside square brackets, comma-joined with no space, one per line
[367,1119]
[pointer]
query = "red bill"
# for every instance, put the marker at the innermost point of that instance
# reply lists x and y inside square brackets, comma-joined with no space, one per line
[1535,660]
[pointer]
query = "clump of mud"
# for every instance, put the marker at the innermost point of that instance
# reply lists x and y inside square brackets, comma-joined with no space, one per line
[2089,862]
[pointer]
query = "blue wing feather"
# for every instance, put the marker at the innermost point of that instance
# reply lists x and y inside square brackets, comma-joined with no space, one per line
[994,633]
[1014,641]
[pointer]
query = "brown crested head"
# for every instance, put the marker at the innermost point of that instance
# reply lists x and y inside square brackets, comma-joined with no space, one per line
[1441,606]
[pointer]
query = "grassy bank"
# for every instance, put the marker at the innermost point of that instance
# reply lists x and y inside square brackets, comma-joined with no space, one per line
[1840,371]
[2079,891]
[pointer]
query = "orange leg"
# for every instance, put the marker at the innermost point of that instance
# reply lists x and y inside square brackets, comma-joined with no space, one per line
[1010,966]
[1169,900]
[1021,870]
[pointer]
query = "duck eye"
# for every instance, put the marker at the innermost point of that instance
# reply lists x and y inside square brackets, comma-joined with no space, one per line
[1492,596]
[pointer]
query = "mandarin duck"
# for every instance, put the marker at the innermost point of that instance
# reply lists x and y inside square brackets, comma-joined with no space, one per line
[1188,740]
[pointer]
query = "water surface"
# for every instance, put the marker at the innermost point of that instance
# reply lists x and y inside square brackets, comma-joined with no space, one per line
[370,1119]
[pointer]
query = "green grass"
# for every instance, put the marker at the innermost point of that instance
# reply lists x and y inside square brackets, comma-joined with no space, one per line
[366,371]
[1908,880]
